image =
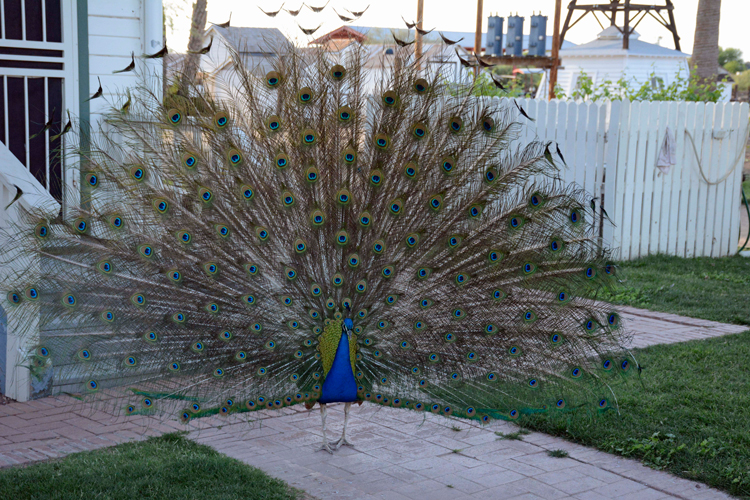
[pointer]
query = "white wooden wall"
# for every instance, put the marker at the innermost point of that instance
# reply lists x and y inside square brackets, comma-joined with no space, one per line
[117,30]
[35,197]
[611,150]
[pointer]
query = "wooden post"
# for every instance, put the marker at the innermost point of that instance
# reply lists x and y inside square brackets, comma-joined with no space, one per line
[478,36]
[672,26]
[555,50]
[418,37]
[626,26]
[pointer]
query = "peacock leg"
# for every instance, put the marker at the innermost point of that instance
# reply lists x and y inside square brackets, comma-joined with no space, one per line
[323,413]
[343,441]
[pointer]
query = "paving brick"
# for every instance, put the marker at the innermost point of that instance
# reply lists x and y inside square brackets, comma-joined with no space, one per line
[461,484]
[581,484]
[619,488]
[6,430]
[397,454]
[13,421]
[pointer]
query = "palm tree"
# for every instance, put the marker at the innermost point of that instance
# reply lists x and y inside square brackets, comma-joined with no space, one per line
[197,27]
[706,44]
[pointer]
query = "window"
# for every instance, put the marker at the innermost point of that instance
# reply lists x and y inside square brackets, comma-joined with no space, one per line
[657,83]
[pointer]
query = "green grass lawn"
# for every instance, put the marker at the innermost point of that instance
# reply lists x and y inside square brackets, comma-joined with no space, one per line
[715,289]
[169,466]
[689,413]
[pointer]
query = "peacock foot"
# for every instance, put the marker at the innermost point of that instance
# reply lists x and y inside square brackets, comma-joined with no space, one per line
[342,442]
[327,447]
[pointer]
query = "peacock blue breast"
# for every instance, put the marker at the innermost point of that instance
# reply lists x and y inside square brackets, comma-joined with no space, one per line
[339,385]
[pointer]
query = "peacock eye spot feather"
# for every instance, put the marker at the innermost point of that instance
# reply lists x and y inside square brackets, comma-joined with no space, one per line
[411,170]
[273,79]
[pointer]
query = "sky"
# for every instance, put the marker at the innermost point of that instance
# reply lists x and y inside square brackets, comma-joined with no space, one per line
[447,15]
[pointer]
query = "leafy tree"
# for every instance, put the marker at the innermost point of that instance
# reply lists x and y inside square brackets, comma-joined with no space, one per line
[743,80]
[728,55]
[731,60]
[734,66]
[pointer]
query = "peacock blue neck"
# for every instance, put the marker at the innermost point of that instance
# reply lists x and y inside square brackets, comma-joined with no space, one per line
[339,385]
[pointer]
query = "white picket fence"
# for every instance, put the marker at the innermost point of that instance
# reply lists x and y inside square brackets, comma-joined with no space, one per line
[611,149]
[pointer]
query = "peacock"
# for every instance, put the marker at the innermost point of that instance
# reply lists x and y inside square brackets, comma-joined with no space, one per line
[321,232]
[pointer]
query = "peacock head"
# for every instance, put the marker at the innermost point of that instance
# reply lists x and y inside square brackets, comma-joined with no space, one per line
[349,324]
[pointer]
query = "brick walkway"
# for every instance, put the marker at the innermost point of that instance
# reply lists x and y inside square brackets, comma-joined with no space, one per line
[398,454]
[651,328]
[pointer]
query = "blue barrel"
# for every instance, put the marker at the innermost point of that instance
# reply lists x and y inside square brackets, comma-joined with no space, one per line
[514,45]
[538,36]
[494,41]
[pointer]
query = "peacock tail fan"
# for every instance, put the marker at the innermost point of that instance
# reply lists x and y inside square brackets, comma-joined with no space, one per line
[225,231]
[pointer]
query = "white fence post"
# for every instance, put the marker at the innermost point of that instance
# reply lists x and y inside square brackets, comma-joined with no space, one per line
[609,171]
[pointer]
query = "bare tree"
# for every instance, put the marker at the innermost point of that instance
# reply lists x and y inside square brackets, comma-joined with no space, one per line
[197,27]
[706,44]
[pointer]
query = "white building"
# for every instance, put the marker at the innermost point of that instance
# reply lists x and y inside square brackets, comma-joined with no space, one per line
[604,59]
[255,46]
[380,49]
[55,53]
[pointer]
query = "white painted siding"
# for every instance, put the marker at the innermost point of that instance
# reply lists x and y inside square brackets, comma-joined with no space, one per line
[637,70]
[117,30]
